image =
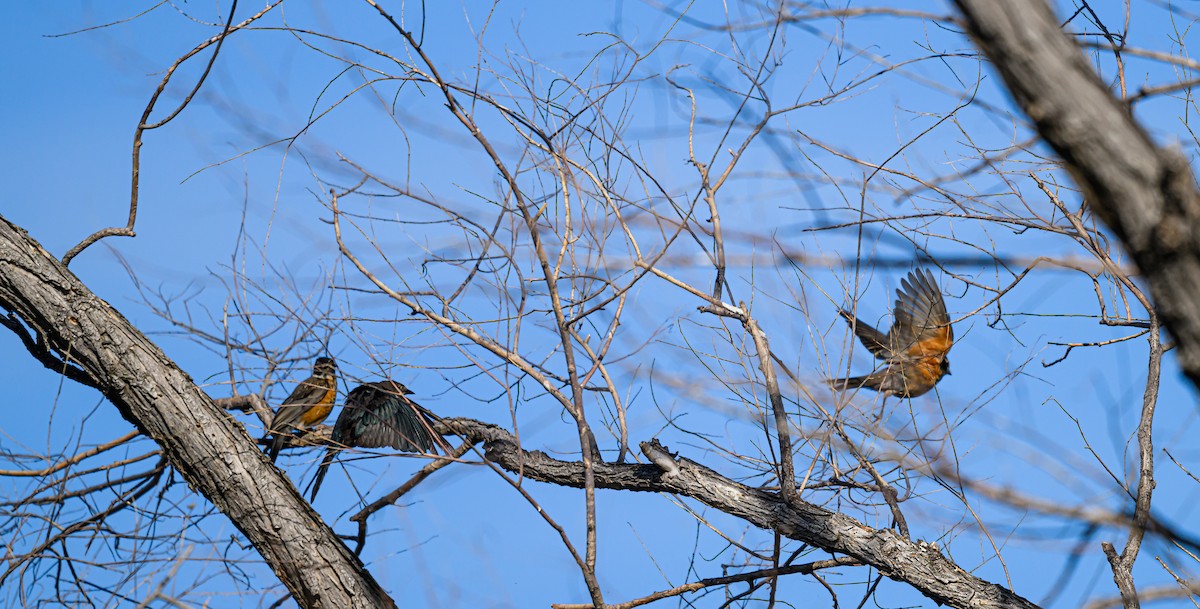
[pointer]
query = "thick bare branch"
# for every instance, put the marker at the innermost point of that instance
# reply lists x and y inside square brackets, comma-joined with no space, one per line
[919,564]
[212,451]
[1146,194]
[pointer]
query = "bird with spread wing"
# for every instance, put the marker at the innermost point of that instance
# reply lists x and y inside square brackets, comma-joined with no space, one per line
[914,349]
[376,415]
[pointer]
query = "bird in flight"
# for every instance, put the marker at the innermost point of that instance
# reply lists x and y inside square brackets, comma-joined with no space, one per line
[914,349]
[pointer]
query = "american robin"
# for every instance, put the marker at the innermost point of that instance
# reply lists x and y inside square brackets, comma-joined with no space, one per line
[311,401]
[379,414]
[914,349]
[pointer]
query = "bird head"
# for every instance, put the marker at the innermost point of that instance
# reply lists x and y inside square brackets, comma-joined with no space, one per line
[324,366]
[945,366]
[400,389]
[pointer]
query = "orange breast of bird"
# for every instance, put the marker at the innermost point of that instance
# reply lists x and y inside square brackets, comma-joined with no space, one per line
[924,373]
[933,347]
[320,410]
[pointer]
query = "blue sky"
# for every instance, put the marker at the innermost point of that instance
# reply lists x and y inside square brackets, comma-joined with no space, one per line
[229,217]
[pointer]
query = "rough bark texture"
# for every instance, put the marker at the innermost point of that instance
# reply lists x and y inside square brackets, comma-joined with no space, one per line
[918,564]
[1145,194]
[211,450]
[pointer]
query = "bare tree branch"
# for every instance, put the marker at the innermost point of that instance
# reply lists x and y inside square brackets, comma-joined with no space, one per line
[1145,193]
[212,451]
[917,563]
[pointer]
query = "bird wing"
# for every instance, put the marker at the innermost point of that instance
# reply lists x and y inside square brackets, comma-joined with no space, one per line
[303,397]
[875,341]
[378,414]
[922,326]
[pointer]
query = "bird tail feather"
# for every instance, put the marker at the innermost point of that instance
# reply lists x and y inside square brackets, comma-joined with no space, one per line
[277,442]
[869,381]
[321,469]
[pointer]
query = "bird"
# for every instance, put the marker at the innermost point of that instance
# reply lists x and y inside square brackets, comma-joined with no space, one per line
[308,405]
[379,414]
[914,349]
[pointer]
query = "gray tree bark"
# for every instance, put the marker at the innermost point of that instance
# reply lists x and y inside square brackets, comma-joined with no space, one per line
[212,451]
[1145,194]
[918,564]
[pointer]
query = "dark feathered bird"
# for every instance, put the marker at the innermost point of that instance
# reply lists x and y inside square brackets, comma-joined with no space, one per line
[308,405]
[914,349]
[376,415]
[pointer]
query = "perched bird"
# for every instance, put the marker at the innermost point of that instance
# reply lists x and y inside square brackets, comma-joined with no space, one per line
[379,414]
[914,349]
[308,405]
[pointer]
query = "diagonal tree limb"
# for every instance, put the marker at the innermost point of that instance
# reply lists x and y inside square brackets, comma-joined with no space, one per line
[1146,194]
[209,448]
[918,564]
